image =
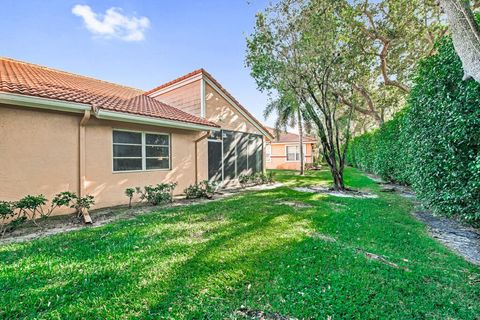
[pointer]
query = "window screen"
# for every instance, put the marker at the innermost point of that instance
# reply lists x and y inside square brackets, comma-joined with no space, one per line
[136,151]
[293,153]
[127,151]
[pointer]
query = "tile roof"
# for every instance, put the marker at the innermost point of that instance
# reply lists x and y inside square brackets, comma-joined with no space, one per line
[34,80]
[287,137]
[211,78]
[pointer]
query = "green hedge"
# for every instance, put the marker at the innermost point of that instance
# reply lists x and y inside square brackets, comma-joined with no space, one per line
[433,144]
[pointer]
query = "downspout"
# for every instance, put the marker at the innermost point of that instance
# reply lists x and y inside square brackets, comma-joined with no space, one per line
[82,165]
[196,154]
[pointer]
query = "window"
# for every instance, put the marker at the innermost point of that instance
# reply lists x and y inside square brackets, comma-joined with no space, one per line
[293,153]
[137,151]
[268,152]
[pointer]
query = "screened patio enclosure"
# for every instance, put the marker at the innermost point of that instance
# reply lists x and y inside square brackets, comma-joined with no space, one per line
[232,153]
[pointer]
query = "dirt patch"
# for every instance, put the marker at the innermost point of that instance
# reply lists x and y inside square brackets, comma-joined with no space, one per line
[331,192]
[337,207]
[321,236]
[403,191]
[375,178]
[460,238]
[66,223]
[295,204]
[247,313]
[373,256]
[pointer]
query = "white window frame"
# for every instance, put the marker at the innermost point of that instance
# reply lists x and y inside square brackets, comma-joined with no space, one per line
[268,155]
[298,146]
[144,152]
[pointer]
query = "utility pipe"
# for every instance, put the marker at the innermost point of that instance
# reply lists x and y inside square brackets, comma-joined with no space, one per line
[82,165]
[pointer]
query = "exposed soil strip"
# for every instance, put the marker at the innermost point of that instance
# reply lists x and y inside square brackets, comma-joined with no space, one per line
[66,223]
[458,237]
[335,193]
[295,204]
[260,315]
[373,256]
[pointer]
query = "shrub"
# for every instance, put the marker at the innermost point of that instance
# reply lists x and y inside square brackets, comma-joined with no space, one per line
[204,189]
[7,211]
[129,192]
[255,179]
[31,206]
[434,143]
[83,203]
[160,193]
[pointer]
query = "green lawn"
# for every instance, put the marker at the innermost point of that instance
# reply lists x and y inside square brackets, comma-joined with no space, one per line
[206,261]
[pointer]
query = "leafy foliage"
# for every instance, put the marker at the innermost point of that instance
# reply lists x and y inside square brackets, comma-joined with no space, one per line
[155,195]
[33,207]
[129,192]
[256,178]
[204,189]
[434,144]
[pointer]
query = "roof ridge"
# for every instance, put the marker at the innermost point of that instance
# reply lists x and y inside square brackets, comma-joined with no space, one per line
[70,73]
[178,79]
[212,79]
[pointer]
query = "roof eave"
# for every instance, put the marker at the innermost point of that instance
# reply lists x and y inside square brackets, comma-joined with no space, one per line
[139,119]
[43,103]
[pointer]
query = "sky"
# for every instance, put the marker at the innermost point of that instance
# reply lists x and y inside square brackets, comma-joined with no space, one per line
[141,44]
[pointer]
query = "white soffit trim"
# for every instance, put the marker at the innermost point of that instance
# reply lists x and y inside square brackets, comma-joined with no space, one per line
[239,109]
[132,118]
[42,103]
[176,85]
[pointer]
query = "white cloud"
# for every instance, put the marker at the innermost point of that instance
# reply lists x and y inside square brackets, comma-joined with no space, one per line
[113,24]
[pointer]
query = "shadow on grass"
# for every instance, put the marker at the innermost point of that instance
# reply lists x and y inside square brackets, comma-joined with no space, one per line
[206,261]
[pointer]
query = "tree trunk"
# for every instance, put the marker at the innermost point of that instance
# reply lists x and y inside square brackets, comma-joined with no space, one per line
[337,175]
[465,35]
[300,131]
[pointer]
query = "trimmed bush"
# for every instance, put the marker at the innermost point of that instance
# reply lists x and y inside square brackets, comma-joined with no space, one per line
[433,144]
[204,189]
[155,195]
[254,179]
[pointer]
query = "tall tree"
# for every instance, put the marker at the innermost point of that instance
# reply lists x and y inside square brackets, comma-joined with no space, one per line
[465,35]
[298,47]
[388,38]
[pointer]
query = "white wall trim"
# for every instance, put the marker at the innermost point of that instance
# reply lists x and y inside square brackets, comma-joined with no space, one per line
[202,99]
[176,85]
[132,118]
[238,108]
[204,78]
[42,103]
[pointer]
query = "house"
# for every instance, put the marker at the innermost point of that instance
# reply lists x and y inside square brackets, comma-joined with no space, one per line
[283,152]
[65,132]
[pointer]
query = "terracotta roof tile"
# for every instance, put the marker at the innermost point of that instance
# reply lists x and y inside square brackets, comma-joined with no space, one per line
[287,137]
[34,80]
[211,78]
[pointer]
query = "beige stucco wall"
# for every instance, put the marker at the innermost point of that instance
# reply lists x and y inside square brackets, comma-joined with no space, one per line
[186,98]
[39,153]
[108,186]
[279,157]
[39,150]
[221,112]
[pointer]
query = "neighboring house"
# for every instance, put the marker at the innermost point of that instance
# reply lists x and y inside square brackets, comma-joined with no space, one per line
[60,131]
[283,152]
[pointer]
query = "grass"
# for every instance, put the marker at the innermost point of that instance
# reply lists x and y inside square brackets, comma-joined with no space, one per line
[206,261]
